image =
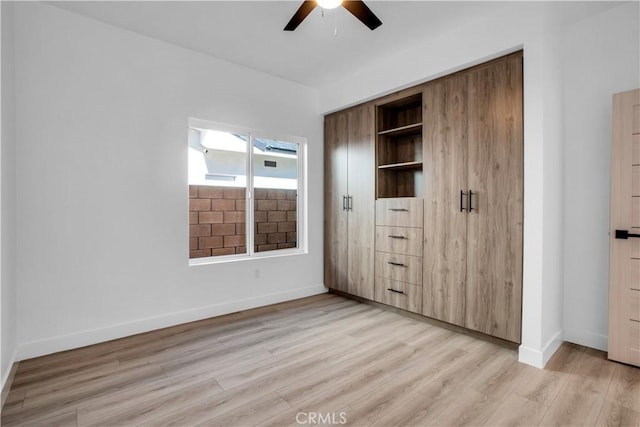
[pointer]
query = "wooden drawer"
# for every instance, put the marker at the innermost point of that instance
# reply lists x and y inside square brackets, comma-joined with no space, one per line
[634,305]
[399,240]
[403,268]
[403,212]
[398,294]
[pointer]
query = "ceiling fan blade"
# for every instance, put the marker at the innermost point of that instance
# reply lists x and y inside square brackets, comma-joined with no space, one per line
[305,9]
[363,13]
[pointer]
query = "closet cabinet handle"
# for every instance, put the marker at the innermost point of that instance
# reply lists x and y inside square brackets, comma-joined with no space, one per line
[350,203]
[344,203]
[397,264]
[396,291]
[471,208]
[396,237]
[398,210]
[624,234]
[462,194]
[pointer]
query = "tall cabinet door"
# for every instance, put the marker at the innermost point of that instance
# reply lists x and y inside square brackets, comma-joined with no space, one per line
[445,200]
[335,202]
[624,252]
[361,179]
[494,233]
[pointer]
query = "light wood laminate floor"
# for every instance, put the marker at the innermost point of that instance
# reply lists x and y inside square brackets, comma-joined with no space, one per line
[324,355]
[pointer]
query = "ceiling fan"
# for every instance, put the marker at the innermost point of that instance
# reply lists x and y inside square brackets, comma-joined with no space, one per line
[357,9]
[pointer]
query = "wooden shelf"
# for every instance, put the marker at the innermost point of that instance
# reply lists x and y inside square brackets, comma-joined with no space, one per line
[399,148]
[399,166]
[402,130]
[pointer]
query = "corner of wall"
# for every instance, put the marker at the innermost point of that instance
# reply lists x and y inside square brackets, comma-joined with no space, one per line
[587,339]
[539,358]
[8,286]
[7,379]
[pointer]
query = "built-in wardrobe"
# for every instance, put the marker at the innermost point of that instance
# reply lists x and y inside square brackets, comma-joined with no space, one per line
[424,199]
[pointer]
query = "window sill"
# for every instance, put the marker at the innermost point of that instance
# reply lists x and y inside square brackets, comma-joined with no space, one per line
[245,257]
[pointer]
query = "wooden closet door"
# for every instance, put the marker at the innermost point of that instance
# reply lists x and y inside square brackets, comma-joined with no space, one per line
[494,236]
[335,217]
[624,253]
[361,178]
[445,217]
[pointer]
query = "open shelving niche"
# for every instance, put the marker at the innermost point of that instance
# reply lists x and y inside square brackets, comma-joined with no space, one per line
[399,148]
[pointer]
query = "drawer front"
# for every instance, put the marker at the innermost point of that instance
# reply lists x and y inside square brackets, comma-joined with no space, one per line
[398,294]
[403,268]
[403,212]
[399,240]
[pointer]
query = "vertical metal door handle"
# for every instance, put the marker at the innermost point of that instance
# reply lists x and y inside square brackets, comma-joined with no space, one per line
[350,203]
[471,208]
[344,203]
[462,194]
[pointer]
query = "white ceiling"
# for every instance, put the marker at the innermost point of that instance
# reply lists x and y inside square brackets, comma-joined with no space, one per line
[250,32]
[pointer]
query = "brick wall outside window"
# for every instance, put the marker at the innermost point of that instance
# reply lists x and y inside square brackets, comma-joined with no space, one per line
[217,220]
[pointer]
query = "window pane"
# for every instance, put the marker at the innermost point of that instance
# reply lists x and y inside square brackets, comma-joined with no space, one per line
[217,193]
[275,169]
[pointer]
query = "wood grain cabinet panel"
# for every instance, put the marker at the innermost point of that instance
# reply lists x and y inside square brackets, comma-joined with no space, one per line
[335,190]
[494,227]
[399,294]
[446,200]
[349,244]
[361,193]
[473,209]
[402,268]
[399,240]
[624,254]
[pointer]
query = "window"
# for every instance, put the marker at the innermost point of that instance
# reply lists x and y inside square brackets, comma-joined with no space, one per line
[243,202]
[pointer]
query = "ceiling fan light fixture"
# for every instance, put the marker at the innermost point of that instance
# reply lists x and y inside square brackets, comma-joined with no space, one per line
[329,4]
[356,7]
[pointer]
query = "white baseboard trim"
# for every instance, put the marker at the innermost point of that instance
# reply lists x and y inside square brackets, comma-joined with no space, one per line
[530,356]
[539,358]
[587,339]
[552,346]
[38,348]
[7,380]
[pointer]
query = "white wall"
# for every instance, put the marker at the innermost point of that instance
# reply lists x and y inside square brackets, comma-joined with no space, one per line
[8,196]
[601,57]
[103,248]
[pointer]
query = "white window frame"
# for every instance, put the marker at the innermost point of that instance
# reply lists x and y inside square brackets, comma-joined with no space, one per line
[301,201]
